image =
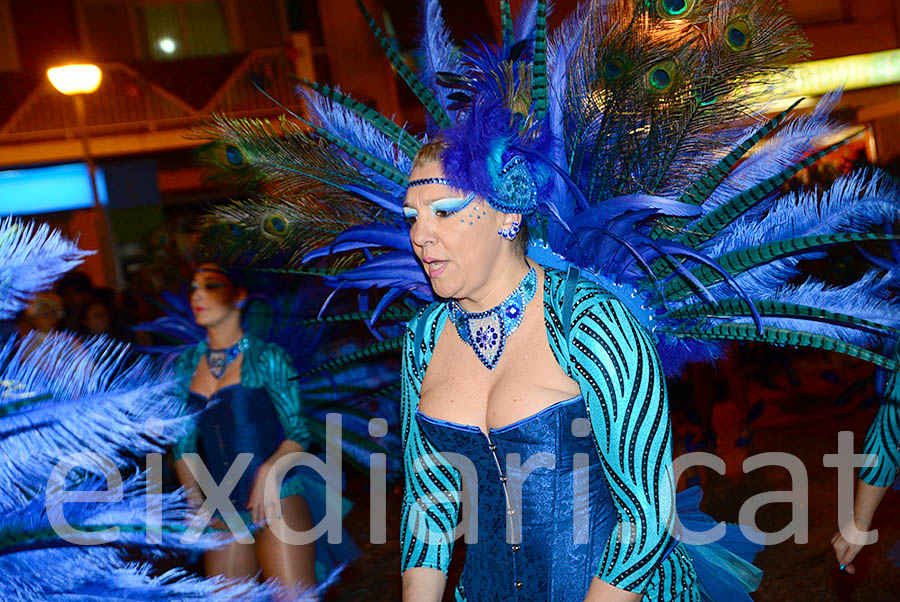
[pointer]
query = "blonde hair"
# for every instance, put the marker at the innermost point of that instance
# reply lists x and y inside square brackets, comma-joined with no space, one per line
[430,152]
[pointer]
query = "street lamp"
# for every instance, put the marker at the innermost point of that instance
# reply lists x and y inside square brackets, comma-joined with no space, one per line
[77,81]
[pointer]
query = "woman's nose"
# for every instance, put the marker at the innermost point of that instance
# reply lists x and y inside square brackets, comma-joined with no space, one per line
[422,232]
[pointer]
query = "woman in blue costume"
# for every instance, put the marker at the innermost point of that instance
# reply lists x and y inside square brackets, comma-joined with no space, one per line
[882,442]
[251,405]
[555,430]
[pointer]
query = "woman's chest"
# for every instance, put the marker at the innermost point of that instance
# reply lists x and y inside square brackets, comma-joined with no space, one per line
[528,378]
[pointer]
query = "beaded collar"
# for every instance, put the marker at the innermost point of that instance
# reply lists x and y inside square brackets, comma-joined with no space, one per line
[218,359]
[486,332]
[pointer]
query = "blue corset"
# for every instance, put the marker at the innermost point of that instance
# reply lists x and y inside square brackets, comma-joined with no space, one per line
[547,543]
[237,419]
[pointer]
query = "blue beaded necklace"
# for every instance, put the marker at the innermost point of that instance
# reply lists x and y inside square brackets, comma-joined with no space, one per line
[486,332]
[218,359]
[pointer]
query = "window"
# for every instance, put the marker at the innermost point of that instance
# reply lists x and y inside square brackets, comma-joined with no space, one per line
[189,28]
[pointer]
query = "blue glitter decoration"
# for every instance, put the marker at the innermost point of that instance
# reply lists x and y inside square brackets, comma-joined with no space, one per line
[516,189]
[426,181]
[218,359]
[486,332]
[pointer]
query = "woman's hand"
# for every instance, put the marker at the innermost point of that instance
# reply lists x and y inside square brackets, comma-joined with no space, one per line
[867,499]
[257,506]
[846,551]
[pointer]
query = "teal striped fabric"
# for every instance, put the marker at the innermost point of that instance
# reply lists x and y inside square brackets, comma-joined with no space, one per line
[883,438]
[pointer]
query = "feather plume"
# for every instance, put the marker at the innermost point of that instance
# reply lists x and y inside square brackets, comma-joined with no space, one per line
[63,396]
[437,52]
[31,258]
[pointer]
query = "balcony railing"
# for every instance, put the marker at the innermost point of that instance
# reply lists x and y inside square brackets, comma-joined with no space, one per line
[130,101]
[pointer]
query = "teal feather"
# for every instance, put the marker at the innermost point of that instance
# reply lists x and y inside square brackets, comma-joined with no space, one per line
[741,260]
[404,140]
[700,189]
[783,336]
[506,24]
[721,216]
[539,73]
[379,166]
[730,308]
[384,346]
[431,104]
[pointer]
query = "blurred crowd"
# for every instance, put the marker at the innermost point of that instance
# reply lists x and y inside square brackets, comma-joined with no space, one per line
[78,307]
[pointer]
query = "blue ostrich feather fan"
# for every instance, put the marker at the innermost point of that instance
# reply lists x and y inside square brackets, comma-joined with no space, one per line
[31,259]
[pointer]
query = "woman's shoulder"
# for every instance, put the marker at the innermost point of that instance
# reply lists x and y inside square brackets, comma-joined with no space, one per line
[266,351]
[425,316]
[187,359]
[575,287]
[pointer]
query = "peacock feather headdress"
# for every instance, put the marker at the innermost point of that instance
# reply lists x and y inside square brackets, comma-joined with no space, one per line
[631,136]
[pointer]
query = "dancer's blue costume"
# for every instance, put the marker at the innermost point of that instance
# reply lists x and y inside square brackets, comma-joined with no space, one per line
[550,555]
[255,416]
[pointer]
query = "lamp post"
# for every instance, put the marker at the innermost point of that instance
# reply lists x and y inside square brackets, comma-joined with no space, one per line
[78,81]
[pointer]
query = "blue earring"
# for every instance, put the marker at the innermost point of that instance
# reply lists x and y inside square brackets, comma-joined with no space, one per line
[240,304]
[511,232]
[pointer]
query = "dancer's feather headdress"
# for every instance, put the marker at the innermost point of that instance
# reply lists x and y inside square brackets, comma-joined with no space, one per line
[630,137]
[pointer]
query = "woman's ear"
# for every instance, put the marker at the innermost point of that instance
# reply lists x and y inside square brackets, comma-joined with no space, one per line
[511,218]
[240,296]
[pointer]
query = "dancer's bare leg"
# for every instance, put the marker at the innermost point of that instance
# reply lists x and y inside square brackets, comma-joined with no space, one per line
[234,560]
[289,563]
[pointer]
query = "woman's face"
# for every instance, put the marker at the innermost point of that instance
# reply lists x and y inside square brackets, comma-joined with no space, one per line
[97,319]
[213,297]
[453,234]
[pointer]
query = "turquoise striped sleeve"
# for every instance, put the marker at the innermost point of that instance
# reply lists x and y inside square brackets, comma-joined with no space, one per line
[883,438]
[431,496]
[616,365]
[279,380]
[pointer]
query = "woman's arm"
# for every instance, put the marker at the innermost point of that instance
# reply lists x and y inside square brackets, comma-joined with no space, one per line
[422,584]
[279,379]
[867,499]
[601,591]
[882,441]
[616,365]
[277,375]
[430,509]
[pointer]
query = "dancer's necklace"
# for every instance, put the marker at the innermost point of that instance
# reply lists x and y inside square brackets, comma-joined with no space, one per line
[486,331]
[218,359]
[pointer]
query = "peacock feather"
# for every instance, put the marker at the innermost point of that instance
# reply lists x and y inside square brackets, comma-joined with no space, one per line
[657,173]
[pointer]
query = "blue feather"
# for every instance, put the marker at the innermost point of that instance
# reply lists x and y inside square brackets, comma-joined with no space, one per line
[358,132]
[30,526]
[861,299]
[90,399]
[526,20]
[370,236]
[854,203]
[31,259]
[437,52]
[790,143]
[91,573]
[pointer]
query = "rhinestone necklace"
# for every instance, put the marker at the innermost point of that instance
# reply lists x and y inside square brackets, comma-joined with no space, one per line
[218,359]
[486,332]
